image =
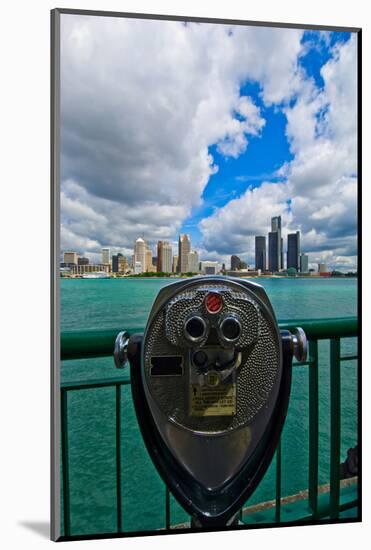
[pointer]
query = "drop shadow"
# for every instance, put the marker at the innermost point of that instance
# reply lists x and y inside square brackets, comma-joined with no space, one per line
[42,528]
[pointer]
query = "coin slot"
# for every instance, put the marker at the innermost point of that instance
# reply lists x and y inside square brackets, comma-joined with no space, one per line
[167,365]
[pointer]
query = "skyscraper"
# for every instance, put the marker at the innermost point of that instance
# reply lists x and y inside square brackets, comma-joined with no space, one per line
[304,263]
[159,256]
[164,257]
[148,264]
[275,254]
[119,263]
[273,251]
[293,250]
[193,262]
[183,251]
[175,263]
[260,253]
[106,256]
[139,255]
[276,223]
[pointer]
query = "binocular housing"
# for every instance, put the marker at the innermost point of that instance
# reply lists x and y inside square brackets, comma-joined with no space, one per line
[211,378]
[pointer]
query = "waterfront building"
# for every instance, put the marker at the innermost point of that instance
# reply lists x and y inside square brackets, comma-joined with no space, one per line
[138,268]
[148,260]
[276,223]
[304,263]
[106,256]
[175,264]
[82,261]
[184,249]
[140,248]
[260,253]
[293,250]
[193,262]
[119,263]
[275,245]
[322,268]
[70,258]
[209,267]
[90,268]
[164,257]
[274,254]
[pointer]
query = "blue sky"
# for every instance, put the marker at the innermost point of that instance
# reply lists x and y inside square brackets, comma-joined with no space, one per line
[266,153]
[208,130]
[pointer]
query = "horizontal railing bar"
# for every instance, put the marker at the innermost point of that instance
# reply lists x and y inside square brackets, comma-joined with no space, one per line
[349,358]
[322,329]
[76,344]
[95,383]
[83,344]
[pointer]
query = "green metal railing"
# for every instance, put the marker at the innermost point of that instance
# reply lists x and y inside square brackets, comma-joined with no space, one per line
[99,343]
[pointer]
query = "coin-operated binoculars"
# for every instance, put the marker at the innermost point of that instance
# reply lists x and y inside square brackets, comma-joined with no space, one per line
[211,381]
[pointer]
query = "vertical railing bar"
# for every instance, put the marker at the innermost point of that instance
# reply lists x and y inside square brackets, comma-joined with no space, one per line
[278,482]
[167,508]
[335,427]
[65,465]
[118,457]
[313,427]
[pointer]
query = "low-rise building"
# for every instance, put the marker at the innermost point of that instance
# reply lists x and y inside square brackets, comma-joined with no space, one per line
[209,267]
[90,268]
[70,258]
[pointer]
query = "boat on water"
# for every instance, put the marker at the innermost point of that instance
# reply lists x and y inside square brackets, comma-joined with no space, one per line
[96,275]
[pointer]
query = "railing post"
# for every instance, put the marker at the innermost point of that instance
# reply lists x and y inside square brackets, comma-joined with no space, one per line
[278,483]
[335,427]
[313,427]
[118,457]
[65,465]
[167,508]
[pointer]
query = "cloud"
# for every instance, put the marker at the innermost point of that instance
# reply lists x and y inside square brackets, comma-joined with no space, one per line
[141,103]
[320,182]
[230,230]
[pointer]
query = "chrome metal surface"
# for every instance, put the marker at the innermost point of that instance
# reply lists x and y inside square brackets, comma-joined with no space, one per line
[300,344]
[120,355]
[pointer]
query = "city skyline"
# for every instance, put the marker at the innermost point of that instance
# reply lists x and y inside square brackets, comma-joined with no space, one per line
[187,259]
[278,140]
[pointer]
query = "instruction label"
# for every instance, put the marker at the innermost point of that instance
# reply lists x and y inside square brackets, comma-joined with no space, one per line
[213,401]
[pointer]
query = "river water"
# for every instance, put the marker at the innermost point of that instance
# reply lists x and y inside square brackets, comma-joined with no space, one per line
[125,303]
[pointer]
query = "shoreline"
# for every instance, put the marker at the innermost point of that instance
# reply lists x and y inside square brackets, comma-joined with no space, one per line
[138,278]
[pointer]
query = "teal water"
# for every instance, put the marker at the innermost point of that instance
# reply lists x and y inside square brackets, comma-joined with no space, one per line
[112,303]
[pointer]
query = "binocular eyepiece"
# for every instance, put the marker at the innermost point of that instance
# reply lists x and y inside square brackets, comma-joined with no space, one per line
[211,380]
[197,328]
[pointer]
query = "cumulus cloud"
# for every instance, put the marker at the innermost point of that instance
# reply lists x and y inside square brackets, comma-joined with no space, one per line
[141,104]
[320,183]
[232,227]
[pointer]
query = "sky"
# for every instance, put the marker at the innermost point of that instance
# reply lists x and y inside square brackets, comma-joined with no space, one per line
[207,129]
